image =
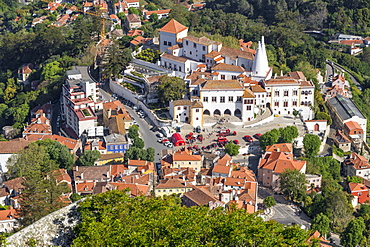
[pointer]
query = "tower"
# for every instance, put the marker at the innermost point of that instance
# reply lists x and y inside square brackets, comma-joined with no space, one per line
[260,68]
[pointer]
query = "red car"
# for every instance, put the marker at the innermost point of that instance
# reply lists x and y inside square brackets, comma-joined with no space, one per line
[248,138]
[236,142]
[165,140]
[257,136]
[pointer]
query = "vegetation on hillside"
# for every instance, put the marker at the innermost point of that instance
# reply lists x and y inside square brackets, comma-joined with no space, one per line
[141,221]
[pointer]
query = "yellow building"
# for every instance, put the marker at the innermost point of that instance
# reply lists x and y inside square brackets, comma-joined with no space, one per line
[183,159]
[116,158]
[172,186]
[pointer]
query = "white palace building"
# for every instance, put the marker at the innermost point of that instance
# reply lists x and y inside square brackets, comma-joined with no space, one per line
[223,81]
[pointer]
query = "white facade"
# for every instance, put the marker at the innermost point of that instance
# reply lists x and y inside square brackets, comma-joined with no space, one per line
[78,99]
[221,102]
[132,3]
[316,125]
[167,39]
[196,48]
[3,159]
[287,94]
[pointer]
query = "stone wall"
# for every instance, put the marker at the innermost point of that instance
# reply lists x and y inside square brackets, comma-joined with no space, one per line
[55,229]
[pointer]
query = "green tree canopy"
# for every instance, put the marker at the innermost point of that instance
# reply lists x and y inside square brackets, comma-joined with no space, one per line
[51,71]
[269,138]
[324,116]
[133,131]
[88,158]
[58,152]
[321,223]
[339,209]
[133,10]
[150,154]
[113,218]
[153,17]
[293,184]
[269,201]
[232,149]
[311,144]
[42,192]
[288,134]
[138,142]
[354,233]
[170,88]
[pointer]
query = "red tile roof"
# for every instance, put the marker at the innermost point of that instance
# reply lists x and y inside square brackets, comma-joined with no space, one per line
[173,183]
[173,26]
[221,169]
[13,146]
[228,67]
[222,85]
[357,187]
[280,147]
[158,12]
[9,214]
[352,125]
[280,161]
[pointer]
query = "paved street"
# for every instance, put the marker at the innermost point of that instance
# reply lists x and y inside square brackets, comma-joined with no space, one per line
[283,212]
[148,136]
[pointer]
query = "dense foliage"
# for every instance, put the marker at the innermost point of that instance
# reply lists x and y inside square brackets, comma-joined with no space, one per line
[52,50]
[144,221]
[38,166]
[281,135]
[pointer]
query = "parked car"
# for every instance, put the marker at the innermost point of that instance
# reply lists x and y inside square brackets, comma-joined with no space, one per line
[165,140]
[236,142]
[159,134]
[248,138]
[257,136]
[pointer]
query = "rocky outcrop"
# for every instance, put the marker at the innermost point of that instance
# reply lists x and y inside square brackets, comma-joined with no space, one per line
[55,229]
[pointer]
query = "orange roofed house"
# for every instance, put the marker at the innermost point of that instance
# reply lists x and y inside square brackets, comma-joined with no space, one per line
[357,165]
[272,164]
[360,193]
[171,33]
[172,186]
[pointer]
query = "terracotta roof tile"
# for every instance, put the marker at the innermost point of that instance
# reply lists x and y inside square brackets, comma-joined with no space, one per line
[137,162]
[351,125]
[111,156]
[201,196]
[235,53]
[213,54]
[282,81]
[181,102]
[358,161]
[221,169]
[298,75]
[280,147]
[9,214]
[135,189]
[257,89]
[133,18]
[14,184]
[158,12]
[222,85]
[248,93]
[228,67]
[354,187]
[202,40]
[280,161]
[184,156]
[13,146]
[173,183]
[174,58]
[173,26]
